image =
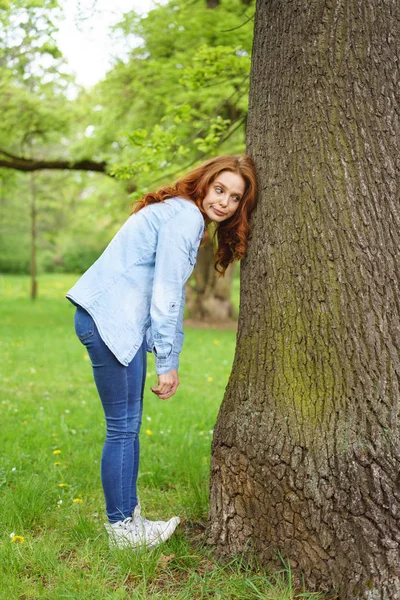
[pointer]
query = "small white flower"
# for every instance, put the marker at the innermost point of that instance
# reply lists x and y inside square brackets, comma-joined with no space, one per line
[148,418]
[12,534]
[14,469]
[67,411]
[59,502]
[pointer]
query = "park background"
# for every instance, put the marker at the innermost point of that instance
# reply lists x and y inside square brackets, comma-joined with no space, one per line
[175,92]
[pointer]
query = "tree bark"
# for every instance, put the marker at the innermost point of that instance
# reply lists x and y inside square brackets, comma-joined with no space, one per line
[306,449]
[209,299]
[32,190]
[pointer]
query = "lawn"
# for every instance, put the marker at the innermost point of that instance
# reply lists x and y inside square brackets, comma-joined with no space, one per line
[53,544]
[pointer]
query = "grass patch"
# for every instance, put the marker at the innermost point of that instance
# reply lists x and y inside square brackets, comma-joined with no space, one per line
[52,435]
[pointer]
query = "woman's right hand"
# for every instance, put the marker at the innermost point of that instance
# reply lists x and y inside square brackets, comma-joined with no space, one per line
[167,385]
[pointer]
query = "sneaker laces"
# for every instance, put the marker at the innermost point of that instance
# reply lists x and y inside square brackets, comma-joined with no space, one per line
[139,518]
[126,523]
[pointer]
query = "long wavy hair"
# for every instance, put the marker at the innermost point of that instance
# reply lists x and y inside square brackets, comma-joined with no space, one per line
[231,235]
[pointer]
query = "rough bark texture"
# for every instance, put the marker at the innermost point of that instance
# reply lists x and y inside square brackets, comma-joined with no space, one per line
[209,299]
[306,450]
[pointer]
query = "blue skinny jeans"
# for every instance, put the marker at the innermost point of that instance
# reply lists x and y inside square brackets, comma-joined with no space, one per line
[121,393]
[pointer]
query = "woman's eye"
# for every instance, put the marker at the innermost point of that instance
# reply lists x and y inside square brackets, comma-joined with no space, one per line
[218,190]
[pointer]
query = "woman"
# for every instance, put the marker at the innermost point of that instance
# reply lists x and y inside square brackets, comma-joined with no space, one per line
[132,300]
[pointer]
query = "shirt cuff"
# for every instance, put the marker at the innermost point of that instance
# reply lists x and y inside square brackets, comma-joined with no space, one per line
[164,365]
[175,361]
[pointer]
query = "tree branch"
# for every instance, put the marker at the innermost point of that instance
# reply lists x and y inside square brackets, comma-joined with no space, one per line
[27,164]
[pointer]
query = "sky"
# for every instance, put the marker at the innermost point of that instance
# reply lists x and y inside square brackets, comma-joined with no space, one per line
[86,44]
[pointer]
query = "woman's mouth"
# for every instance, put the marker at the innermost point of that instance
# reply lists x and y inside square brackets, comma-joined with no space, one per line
[218,212]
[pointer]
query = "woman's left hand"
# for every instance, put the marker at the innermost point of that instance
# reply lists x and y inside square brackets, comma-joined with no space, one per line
[167,385]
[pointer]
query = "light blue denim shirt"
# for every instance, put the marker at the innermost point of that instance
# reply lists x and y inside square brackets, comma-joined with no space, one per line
[136,288]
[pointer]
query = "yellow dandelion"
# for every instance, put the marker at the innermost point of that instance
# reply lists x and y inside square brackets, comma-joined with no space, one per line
[57,452]
[85,356]
[210,379]
[57,464]
[77,500]
[149,432]
[217,342]
[63,485]
[17,539]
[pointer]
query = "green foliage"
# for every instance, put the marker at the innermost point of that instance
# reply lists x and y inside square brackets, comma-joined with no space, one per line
[71,231]
[223,62]
[191,73]
[32,83]
[14,253]
[78,255]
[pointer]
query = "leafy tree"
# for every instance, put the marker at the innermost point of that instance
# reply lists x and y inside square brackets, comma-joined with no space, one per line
[30,102]
[191,75]
[38,120]
[32,84]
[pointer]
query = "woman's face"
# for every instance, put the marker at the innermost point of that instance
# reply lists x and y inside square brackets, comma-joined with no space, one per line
[223,196]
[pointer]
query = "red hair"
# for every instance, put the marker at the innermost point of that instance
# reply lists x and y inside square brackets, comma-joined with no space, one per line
[231,235]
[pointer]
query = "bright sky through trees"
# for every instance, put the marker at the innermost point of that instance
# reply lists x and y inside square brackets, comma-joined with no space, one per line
[84,35]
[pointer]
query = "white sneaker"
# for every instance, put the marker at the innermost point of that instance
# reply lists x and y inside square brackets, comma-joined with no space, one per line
[137,531]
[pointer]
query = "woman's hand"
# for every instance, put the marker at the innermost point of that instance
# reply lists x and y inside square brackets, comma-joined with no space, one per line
[167,385]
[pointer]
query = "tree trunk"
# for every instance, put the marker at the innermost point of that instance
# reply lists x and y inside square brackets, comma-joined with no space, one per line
[306,449]
[209,299]
[33,237]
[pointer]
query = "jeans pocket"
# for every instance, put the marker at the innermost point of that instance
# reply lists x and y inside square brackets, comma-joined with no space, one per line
[84,324]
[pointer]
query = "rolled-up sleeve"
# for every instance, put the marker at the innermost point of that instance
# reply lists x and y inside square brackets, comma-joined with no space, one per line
[176,239]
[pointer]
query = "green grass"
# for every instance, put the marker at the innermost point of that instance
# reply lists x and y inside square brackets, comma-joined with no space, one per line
[51,438]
